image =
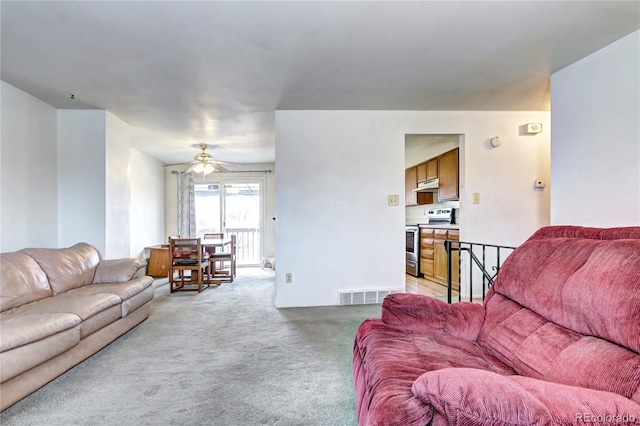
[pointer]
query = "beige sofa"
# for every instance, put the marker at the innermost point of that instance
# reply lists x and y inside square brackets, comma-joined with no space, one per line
[59,307]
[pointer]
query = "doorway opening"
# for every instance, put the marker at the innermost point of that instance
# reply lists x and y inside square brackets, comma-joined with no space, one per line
[232,208]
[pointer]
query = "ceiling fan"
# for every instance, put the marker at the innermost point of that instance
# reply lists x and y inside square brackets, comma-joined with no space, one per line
[205,164]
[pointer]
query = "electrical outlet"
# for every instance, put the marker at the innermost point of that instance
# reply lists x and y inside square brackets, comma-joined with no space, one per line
[393,200]
[288,278]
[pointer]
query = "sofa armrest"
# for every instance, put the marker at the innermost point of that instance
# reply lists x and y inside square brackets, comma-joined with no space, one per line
[118,270]
[424,314]
[470,396]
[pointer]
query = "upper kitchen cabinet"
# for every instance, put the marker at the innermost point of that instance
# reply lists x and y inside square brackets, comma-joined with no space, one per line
[410,183]
[432,169]
[448,176]
[428,170]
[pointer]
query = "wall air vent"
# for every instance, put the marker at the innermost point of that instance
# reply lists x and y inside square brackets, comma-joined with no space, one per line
[364,297]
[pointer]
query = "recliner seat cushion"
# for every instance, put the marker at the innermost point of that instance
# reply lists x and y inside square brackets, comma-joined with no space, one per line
[391,359]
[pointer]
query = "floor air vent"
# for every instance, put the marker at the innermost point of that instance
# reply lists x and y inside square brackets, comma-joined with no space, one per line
[363,297]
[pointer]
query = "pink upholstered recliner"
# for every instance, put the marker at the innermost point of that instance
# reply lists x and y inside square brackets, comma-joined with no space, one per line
[557,341]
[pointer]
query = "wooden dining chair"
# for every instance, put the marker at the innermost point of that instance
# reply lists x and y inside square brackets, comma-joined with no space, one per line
[226,256]
[187,255]
[212,250]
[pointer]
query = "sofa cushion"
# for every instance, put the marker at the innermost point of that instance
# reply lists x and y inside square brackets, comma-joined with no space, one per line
[117,270]
[29,340]
[389,361]
[567,297]
[22,329]
[67,268]
[462,396]
[133,294]
[585,284]
[540,349]
[21,280]
[95,310]
[424,314]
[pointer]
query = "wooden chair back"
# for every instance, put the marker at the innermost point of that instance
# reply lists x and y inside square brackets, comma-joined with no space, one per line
[214,235]
[187,255]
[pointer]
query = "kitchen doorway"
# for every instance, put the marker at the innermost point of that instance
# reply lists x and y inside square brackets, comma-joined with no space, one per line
[233,207]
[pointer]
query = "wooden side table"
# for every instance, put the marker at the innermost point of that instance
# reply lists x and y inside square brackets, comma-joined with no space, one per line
[159,260]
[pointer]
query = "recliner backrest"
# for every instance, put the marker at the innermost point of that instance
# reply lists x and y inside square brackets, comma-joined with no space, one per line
[566,308]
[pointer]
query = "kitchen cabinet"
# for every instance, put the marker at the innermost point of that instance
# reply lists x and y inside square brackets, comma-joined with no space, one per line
[445,168]
[427,171]
[448,176]
[411,183]
[433,256]
[421,172]
[426,252]
[432,169]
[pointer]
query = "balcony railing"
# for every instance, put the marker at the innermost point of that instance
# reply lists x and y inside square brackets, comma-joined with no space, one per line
[247,245]
[482,260]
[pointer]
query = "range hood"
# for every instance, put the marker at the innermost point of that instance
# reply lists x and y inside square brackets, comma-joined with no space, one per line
[431,186]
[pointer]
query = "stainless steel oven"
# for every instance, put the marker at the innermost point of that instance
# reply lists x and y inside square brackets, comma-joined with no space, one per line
[413,249]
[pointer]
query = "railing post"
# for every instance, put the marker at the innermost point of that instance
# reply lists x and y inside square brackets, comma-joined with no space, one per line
[447,248]
[474,260]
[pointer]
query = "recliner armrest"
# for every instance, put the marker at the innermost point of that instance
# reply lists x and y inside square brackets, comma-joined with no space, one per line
[471,396]
[424,314]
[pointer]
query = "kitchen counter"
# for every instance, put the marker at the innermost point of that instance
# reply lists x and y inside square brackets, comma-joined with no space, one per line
[436,225]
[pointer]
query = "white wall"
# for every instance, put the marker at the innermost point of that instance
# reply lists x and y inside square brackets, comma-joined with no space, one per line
[335,169]
[28,172]
[147,202]
[595,158]
[81,174]
[117,187]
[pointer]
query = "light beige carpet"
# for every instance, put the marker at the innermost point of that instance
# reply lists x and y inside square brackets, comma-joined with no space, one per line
[225,356]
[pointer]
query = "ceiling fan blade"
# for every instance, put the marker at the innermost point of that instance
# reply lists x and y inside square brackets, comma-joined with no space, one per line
[227,163]
[190,169]
[221,168]
[178,164]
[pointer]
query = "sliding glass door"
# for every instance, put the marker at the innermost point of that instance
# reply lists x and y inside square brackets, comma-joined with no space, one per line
[232,208]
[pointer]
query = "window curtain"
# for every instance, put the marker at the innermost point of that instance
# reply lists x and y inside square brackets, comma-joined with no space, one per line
[186,206]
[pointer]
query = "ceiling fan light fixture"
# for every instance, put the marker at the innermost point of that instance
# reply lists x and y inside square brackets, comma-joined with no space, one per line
[204,168]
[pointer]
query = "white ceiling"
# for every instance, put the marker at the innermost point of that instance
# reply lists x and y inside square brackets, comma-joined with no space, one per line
[182,73]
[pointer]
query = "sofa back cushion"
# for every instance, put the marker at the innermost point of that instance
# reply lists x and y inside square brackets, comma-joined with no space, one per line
[566,308]
[21,280]
[67,268]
